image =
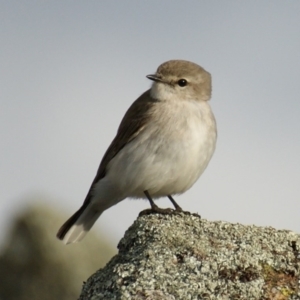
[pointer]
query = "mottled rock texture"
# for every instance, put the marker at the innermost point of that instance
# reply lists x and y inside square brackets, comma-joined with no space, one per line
[181,256]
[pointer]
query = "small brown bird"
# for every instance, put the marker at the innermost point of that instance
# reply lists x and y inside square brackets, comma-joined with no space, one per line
[163,144]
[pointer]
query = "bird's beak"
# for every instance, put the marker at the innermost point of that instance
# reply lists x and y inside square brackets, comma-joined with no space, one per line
[155,78]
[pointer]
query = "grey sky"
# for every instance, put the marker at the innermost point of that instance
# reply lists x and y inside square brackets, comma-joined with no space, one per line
[69,70]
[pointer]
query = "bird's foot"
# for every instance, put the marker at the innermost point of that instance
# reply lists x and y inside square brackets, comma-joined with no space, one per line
[191,214]
[166,211]
[157,210]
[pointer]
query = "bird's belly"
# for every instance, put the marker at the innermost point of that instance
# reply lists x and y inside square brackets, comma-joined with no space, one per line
[163,162]
[180,165]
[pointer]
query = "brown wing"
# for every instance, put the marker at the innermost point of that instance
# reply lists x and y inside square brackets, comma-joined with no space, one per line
[131,125]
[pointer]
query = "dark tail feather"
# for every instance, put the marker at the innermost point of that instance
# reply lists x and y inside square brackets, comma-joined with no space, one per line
[69,223]
[76,227]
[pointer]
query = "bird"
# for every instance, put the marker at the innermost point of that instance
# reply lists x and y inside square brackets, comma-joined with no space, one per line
[162,146]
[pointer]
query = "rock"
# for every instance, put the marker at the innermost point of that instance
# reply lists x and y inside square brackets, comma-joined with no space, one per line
[35,265]
[184,257]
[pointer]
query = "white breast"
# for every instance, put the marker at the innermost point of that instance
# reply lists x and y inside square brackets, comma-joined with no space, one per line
[170,154]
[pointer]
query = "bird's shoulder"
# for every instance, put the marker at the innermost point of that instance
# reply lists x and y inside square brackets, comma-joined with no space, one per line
[132,124]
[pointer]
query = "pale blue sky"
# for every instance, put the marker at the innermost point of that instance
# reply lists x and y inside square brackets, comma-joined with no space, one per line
[70,69]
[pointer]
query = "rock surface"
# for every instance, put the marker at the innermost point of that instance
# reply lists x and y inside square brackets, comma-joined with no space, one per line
[184,257]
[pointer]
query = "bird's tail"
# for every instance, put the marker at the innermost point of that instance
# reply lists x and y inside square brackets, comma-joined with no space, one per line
[76,227]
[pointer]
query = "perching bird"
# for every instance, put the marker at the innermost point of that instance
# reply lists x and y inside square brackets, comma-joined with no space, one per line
[163,144]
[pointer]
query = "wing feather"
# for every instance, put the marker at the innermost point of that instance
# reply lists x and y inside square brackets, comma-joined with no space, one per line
[132,124]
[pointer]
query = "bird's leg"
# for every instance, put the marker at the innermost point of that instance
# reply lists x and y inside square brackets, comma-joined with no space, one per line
[177,207]
[154,208]
[153,205]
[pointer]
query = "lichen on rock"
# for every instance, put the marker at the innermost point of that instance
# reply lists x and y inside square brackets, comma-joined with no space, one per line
[181,256]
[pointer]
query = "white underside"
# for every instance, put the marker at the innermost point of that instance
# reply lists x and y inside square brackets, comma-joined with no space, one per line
[165,159]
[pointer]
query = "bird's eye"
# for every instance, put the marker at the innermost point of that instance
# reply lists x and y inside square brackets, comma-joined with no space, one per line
[182,82]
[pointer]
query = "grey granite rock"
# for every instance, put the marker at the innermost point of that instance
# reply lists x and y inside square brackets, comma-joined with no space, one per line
[185,257]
